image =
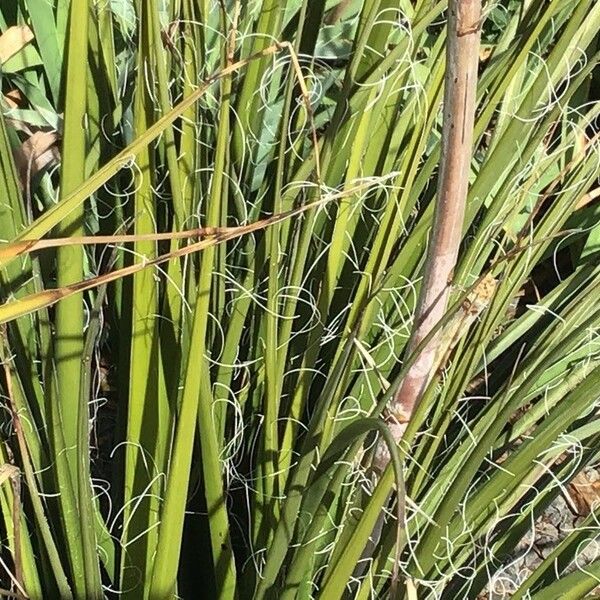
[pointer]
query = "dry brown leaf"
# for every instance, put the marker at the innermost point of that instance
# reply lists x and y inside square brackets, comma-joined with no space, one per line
[337,12]
[584,493]
[36,153]
[19,125]
[13,98]
[46,159]
[13,40]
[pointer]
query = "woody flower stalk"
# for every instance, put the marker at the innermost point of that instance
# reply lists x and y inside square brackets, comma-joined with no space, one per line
[462,54]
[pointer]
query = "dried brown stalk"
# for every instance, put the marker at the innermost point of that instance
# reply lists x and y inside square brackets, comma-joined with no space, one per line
[462,55]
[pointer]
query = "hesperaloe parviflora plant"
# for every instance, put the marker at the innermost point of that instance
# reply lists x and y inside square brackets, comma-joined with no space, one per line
[219,224]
